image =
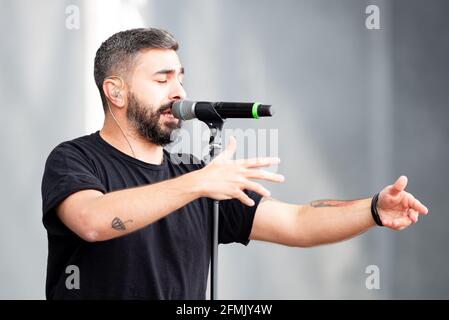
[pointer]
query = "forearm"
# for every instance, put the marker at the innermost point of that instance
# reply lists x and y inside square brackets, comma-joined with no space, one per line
[118,213]
[328,221]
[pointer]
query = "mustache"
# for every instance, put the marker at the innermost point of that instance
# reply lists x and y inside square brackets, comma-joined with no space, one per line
[165,107]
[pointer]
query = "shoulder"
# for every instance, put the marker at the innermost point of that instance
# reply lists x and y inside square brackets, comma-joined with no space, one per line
[77,143]
[77,148]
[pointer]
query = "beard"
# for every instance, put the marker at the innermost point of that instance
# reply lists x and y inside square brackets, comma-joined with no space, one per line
[146,121]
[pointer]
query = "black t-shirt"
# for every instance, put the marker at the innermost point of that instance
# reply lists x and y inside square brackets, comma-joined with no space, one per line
[168,259]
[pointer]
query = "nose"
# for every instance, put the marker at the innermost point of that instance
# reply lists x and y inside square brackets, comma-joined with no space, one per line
[177,91]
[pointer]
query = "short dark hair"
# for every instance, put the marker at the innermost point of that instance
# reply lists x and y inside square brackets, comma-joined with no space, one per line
[117,54]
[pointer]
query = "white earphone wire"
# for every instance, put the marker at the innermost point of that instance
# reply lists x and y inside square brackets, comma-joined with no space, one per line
[116,121]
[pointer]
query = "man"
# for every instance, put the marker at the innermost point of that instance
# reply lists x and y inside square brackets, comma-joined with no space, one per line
[135,224]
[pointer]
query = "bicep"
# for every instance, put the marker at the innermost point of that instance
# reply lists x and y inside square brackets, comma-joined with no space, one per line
[72,211]
[276,222]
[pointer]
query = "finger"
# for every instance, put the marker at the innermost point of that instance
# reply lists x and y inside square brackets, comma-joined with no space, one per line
[254,186]
[229,151]
[395,222]
[387,223]
[413,215]
[399,185]
[419,207]
[400,223]
[243,197]
[258,162]
[411,202]
[264,175]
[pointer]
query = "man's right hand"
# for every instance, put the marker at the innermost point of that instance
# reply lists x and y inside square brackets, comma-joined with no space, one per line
[225,178]
[91,214]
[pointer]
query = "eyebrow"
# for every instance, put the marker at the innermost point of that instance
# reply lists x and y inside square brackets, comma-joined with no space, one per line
[169,71]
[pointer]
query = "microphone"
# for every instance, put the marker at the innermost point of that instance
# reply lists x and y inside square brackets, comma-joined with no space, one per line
[204,110]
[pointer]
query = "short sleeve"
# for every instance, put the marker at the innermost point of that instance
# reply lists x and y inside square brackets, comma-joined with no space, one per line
[67,170]
[236,219]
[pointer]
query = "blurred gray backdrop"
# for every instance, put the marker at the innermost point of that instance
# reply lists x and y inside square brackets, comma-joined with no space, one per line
[355,108]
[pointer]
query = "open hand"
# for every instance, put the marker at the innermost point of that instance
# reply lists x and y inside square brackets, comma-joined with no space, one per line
[225,178]
[397,208]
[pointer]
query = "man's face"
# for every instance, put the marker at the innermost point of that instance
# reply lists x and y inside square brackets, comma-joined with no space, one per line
[156,83]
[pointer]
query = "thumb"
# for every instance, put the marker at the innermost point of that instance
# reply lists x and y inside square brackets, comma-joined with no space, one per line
[229,151]
[399,185]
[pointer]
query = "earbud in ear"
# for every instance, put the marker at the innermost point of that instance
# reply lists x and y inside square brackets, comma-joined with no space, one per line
[115,94]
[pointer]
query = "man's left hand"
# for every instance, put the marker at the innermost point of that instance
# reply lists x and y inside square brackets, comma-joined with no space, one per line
[397,208]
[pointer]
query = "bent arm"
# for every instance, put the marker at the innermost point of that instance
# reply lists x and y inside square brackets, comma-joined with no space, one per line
[95,216]
[320,222]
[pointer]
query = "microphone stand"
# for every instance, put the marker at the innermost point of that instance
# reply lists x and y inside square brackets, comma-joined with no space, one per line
[206,112]
[215,124]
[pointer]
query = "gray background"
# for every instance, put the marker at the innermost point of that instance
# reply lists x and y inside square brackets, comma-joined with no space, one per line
[355,109]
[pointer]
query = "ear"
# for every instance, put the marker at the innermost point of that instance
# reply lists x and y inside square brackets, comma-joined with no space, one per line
[114,91]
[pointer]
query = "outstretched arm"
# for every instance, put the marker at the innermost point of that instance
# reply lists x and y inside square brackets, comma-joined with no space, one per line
[328,221]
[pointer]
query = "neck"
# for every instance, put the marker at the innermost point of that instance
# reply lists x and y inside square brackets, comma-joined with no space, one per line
[143,149]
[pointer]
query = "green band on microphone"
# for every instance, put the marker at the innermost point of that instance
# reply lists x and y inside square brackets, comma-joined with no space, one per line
[255,106]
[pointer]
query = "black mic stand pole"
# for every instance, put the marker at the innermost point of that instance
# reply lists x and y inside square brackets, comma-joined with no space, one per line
[215,124]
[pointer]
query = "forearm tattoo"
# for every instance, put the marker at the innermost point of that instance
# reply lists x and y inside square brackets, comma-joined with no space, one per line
[118,224]
[332,203]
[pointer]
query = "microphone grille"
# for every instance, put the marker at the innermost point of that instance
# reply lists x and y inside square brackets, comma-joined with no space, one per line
[184,109]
